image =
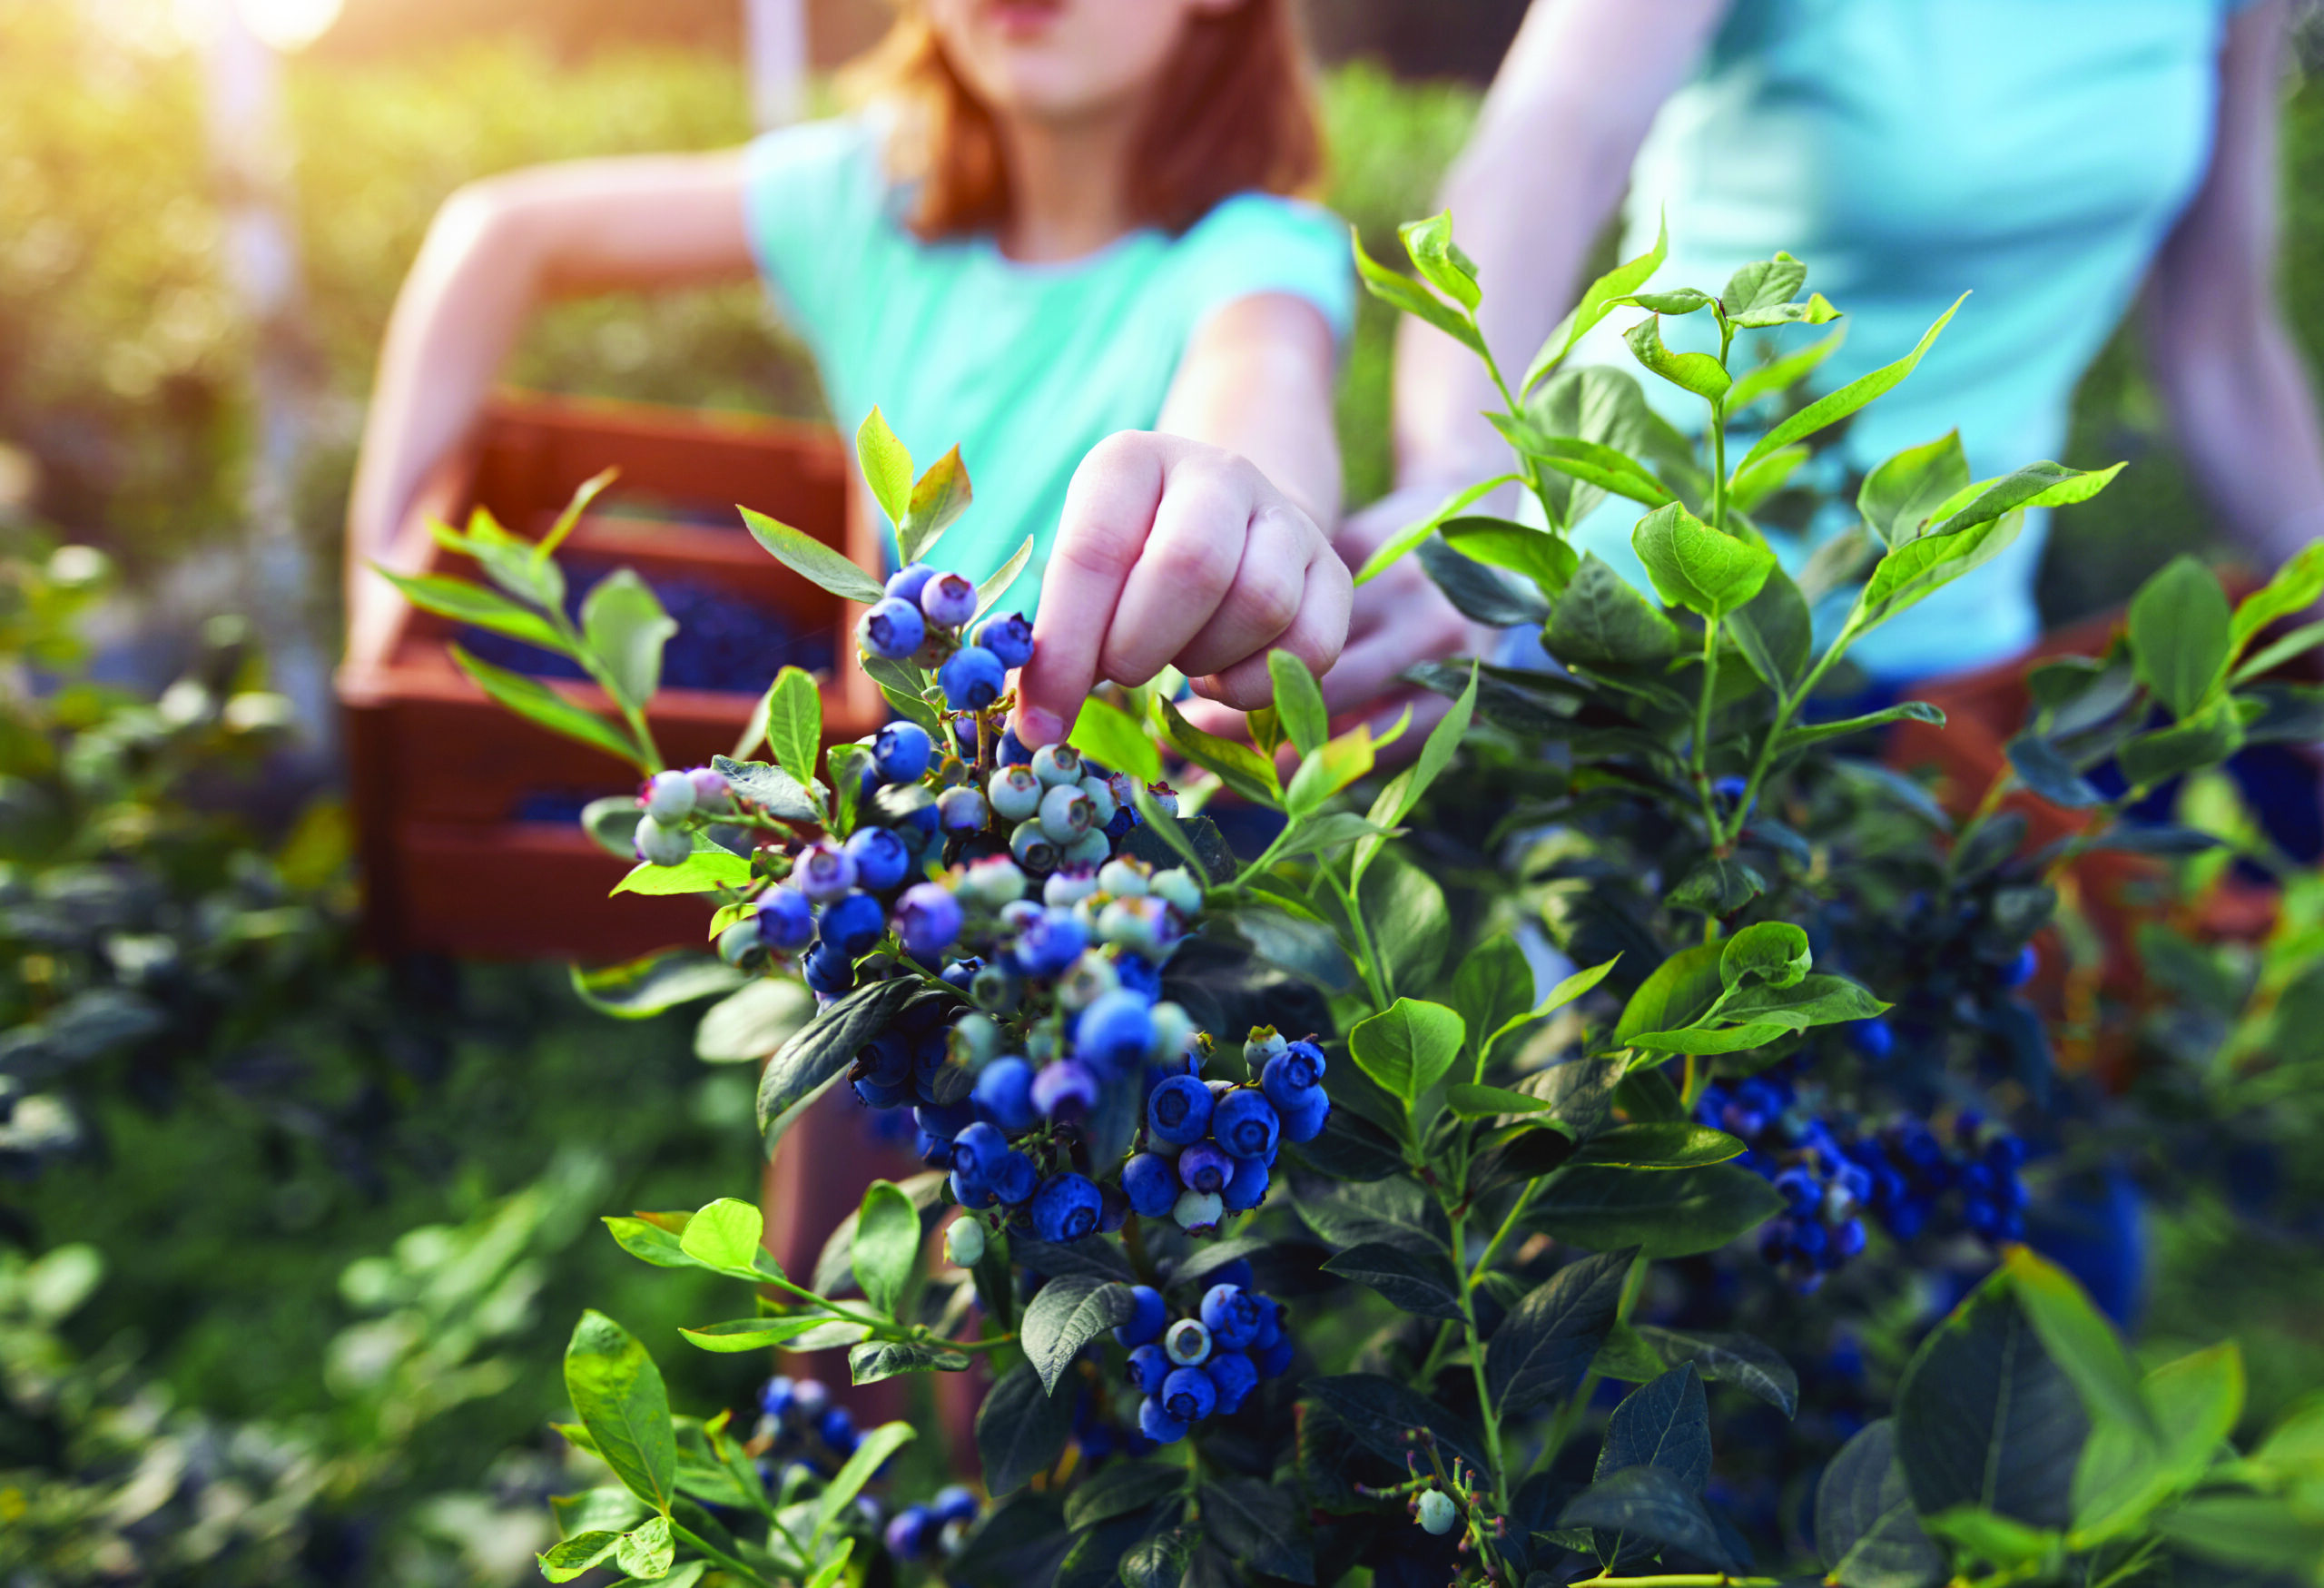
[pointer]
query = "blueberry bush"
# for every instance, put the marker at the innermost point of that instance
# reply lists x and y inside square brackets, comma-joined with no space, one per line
[1304,1210]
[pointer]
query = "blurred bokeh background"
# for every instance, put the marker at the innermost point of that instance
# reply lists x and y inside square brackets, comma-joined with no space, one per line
[294,1279]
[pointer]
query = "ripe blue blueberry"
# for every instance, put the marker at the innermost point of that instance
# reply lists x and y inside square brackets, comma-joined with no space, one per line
[1158,1424]
[1303,1120]
[1004,1093]
[1013,1179]
[669,797]
[659,845]
[960,810]
[1244,1123]
[1800,1189]
[1114,1035]
[1232,1375]
[1272,1361]
[786,920]
[837,1429]
[945,1120]
[928,918]
[1146,1321]
[972,680]
[954,1503]
[1232,1315]
[1179,1110]
[1248,1188]
[908,1531]
[1875,1038]
[2020,971]
[1066,1208]
[1013,751]
[1150,1182]
[948,600]
[906,582]
[1065,1091]
[976,1151]
[892,629]
[1147,1367]
[851,923]
[827,971]
[879,858]
[1270,1324]
[974,1195]
[1188,1395]
[776,1396]
[822,872]
[901,750]
[1050,942]
[1008,637]
[1205,1169]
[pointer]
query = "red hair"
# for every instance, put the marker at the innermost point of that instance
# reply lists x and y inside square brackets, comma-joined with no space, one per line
[1234,110]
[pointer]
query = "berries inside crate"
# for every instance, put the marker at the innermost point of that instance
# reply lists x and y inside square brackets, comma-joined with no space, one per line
[466,814]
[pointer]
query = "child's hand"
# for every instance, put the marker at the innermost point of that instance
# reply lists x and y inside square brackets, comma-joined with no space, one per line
[1174,552]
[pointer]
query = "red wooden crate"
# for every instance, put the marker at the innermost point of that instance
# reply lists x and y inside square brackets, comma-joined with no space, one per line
[438,771]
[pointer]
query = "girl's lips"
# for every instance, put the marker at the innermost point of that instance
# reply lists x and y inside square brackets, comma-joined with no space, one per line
[1025,18]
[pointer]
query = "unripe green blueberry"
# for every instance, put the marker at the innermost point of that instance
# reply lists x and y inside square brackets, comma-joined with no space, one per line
[1089,849]
[1033,849]
[1174,1029]
[1087,980]
[1140,930]
[1102,800]
[1199,1212]
[995,989]
[1180,888]
[1041,1044]
[1263,1044]
[1188,1341]
[994,882]
[1014,793]
[1124,878]
[1057,763]
[1065,814]
[964,1242]
[974,1042]
[739,942]
[663,845]
[1437,1513]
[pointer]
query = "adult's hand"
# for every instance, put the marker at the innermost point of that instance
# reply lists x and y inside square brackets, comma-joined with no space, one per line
[1174,552]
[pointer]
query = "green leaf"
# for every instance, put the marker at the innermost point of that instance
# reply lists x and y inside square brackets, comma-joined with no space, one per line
[1812,1001]
[1471,1101]
[770,788]
[1664,1423]
[1985,1418]
[1649,1504]
[2179,635]
[1396,546]
[1404,791]
[1717,887]
[1439,263]
[509,561]
[1900,496]
[586,492]
[1600,620]
[1773,951]
[577,1555]
[2275,654]
[623,621]
[1238,766]
[1807,733]
[810,559]
[1675,302]
[1575,985]
[1298,702]
[1675,1214]
[871,1361]
[1337,764]
[1607,468]
[870,1454]
[724,1235]
[1157,1560]
[829,1573]
[1782,372]
[1865,1528]
[1749,1365]
[463,602]
[752,1333]
[1109,734]
[2002,1542]
[708,869]
[617,1391]
[1763,283]
[1121,1488]
[2081,1343]
[813,1059]
[795,723]
[989,594]
[1659,1146]
[1478,592]
[1679,993]
[648,1552]
[1699,373]
[535,702]
[1699,1039]
[2201,741]
[2123,1475]
[645,987]
[1764,478]
[1422,1283]
[1070,1312]
[1021,1429]
[1817,311]
[1912,572]
[2297,585]
[651,1238]
[1492,986]
[1597,300]
[937,497]
[2037,484]
[2247,1530]
[886,465]
[1377,1411]
[1407,1047]
[1261,1525]
[887,1245]
[1399,292]
[1835,405]
[1520,549]
[1695,567]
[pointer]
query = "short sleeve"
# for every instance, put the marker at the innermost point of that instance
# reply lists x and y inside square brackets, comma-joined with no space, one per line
[1256,242]
[812,198]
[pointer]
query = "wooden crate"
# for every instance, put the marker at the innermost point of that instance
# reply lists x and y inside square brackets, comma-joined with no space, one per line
[439,773]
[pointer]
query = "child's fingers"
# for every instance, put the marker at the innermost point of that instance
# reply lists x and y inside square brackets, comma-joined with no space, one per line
[1314,638]
[1109,508]
[1190,565]
[1269,586]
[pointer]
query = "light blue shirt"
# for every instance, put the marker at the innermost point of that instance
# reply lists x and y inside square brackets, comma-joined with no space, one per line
[1025,366]
[2034,153]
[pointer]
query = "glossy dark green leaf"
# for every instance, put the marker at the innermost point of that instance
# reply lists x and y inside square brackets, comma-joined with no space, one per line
[770,788]
[1902,491]
[1809,733]
[1237,765]
[1522,1152]
[1773,952]
[873,1360]
[2041,767]
[1398,1212]
[1649,1505]
[1419,1282]
[1545,1345]
[1067,1314]
[1408,1047]
[1121,1489]
[2080,1340]
[643,988]
[1353,1147]
[1410,923]
[1261,1525]
[1750,1366]
[1911,573]
[1716,886]
[1480,593]
[1697,566]
[1985,1418]
[1536,554]
[1680,991]
[2200,742]
[1666,1145]
[1674,1214]
[1378,1411]
[1158,1560]
[885,1245]
[1775,631]
[822,1049]
[1600,620]
[1021,1429]
[1865,1528]
[1665,1423]
[2180,627]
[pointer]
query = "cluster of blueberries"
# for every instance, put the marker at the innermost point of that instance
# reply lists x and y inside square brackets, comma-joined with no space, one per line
[933,1531]
[798,1423]
[920,620]
[1190,1368]
[1208,1145]
[1900,1173]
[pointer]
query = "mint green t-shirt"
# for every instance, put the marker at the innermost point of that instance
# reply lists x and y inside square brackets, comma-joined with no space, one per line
[2036,152]
[1025,366]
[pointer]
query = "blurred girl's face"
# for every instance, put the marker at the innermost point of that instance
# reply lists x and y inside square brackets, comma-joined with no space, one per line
[1059,60]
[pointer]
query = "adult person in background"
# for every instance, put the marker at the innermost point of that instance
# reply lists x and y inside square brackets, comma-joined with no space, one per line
[2053,155]
[1059,235]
